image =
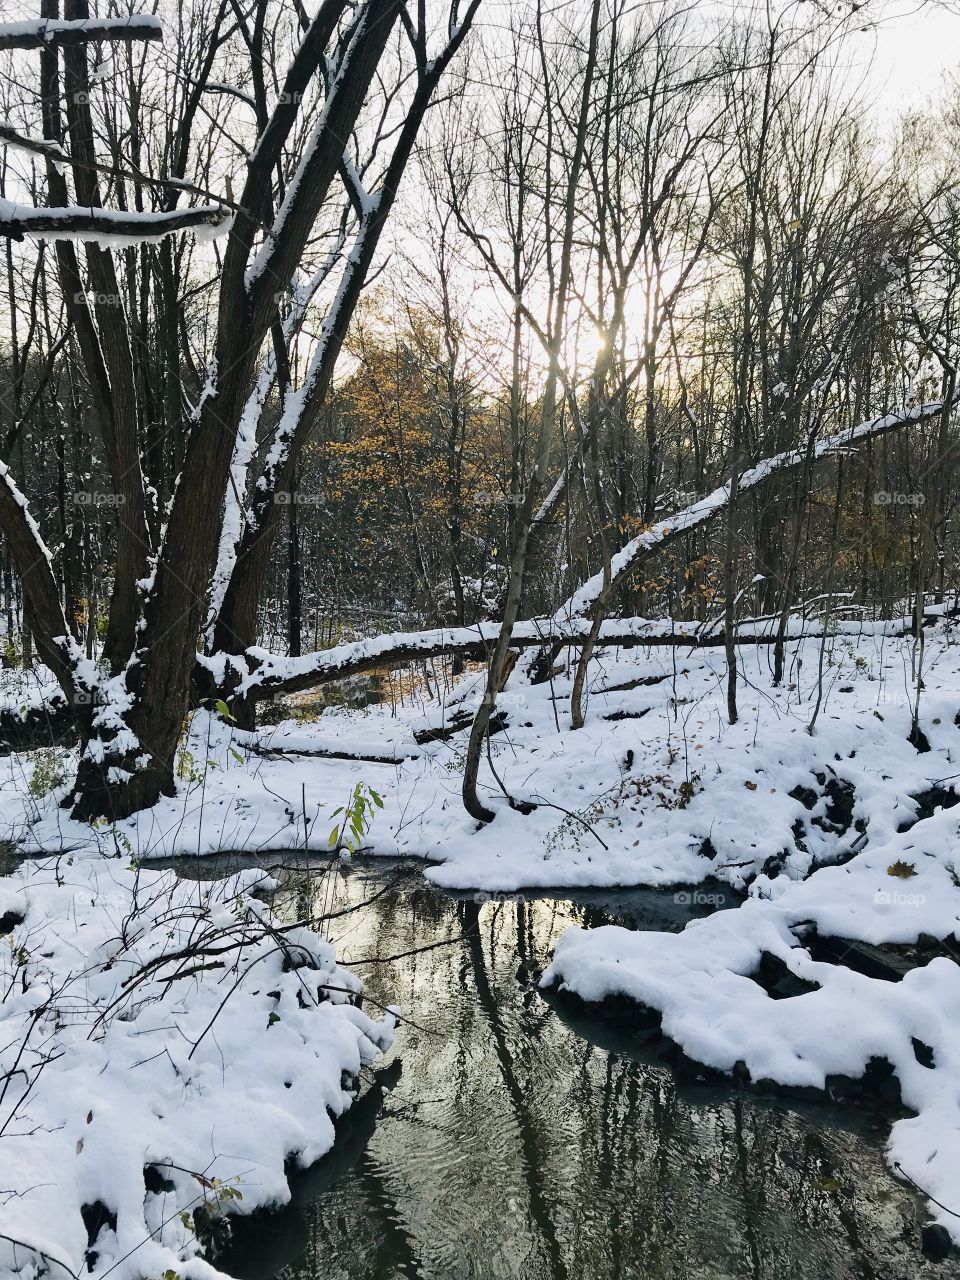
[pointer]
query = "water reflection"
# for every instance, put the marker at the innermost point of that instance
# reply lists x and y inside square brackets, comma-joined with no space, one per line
[501,1141]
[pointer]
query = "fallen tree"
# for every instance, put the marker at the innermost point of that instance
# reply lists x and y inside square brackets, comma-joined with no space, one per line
[593,598]
[259,675]
[589,599]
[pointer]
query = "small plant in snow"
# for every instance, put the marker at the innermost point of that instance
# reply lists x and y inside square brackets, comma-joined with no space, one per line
[576,827]
[121,841]
[187,770]
[49,771]
[358,815]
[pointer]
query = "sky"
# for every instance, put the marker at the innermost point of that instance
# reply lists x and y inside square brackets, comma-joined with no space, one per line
[905,57]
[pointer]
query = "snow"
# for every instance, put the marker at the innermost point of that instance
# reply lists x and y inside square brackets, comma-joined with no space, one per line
[115,228]
[221,1073]
[270,670]
[297,402]
[339,75]
[700,980]
[656,789]
[14,139]
[235,517]
[18,497]
[34,31]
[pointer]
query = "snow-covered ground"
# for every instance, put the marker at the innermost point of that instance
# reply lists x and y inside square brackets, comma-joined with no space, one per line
[657,789]
[162,1053]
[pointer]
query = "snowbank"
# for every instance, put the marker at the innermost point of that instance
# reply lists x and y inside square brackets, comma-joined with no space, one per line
[163,1050]
[703,982]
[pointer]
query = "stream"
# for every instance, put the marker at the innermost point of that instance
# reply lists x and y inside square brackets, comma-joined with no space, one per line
[505,1137]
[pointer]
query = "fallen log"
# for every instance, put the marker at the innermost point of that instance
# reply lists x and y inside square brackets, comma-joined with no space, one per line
[325,753]
[458,724]
[261,675]
[39,726]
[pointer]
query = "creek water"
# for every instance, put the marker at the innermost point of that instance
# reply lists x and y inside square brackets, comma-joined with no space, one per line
[505,1137]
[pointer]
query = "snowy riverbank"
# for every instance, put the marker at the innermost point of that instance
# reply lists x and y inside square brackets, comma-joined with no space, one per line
[841,833]
[164,1049]
[706,982]
[656,789]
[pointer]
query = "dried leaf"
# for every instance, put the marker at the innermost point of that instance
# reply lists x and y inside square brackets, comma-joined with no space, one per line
[902,870]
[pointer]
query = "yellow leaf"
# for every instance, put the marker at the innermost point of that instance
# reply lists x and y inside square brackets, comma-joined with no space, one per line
[902,870]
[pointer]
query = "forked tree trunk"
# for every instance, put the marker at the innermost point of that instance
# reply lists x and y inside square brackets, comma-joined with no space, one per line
[133,765]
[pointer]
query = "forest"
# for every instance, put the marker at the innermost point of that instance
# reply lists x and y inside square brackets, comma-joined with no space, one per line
[479,587]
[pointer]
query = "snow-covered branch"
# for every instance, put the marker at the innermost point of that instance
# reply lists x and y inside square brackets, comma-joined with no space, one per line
[37,33]
[45,147]
[106,226]
[593,594]
[269,674]
[236,518]
[34,566]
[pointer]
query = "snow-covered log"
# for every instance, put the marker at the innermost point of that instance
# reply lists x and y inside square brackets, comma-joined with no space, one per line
[13,137]
[268,674]
[37,33]
[106,226]
[592,595]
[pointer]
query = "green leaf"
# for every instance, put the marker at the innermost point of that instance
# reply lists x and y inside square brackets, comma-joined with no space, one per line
[223,709]
[334,836]
[236,755]
[274,1017]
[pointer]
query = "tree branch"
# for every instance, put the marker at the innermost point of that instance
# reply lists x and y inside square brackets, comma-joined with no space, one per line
[45,33]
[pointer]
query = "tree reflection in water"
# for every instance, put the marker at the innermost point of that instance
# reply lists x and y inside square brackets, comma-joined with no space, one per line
[505,1138]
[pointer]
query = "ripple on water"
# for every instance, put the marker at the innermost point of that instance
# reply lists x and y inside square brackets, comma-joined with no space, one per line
[506,1140]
